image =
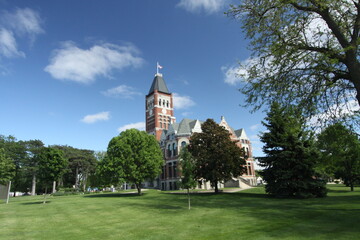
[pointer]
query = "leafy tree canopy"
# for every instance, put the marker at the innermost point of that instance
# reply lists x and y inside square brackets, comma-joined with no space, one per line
[305,52]
[52,164]
[218,158]
[7,168]
[340,148]
[135,156]
[187,164]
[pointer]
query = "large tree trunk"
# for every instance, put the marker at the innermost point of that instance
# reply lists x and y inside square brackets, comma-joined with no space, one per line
[138,186]
[188,192]
[84,182]
[77,178]
[54,187]
[216,188]
[33,185]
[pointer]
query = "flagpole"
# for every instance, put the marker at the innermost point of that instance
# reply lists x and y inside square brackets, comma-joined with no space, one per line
[157,68]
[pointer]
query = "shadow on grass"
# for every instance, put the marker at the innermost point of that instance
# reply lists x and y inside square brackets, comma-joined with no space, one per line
[35,203]
[114,195]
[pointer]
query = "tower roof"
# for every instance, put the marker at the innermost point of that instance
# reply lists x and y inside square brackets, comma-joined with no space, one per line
[158,84]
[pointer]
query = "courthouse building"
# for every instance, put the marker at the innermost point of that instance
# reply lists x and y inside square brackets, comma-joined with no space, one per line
[161,123]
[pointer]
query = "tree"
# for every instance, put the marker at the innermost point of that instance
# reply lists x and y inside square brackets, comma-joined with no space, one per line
[52,166]
[33,149]
[304,52]
[290,156]
[7,168]
[16,151]
[340,148]
[218,158]
[82,163]
[188,178]
[135,156]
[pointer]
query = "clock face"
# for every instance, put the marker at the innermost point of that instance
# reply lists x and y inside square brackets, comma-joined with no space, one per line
[164,111]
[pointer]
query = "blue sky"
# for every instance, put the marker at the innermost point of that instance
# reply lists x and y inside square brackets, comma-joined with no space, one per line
[77,72]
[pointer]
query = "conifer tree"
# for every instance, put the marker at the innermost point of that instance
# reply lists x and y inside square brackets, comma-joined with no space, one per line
[290,156]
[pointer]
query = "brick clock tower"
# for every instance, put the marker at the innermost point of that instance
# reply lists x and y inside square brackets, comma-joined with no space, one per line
[159,107]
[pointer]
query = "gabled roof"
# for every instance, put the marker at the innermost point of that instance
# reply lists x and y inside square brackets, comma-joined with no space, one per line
[184,126]
[159,85]
[240,133]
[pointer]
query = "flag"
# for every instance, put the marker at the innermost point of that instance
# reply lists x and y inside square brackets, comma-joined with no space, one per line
[159,66]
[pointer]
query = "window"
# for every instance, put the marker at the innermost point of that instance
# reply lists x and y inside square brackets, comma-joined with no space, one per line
[183,144]
[167,104]
[174,167]
[170,170]
[169,151]
[160,102]
[174,149]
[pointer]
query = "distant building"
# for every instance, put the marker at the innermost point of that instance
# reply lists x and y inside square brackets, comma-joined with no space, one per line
[161,123]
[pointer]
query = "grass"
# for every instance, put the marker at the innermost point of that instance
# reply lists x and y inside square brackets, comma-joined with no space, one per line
[248,214]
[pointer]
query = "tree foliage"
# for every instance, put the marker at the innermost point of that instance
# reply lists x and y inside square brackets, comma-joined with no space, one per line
[340,148]
[16,151]
[7,168]
[134,156]
[81,165]
[188,178]
[218,158]
[52,164]
[290,156]
[305,52]
[33,148]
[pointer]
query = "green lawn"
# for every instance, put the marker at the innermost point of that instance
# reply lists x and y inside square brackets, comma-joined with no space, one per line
[249,214]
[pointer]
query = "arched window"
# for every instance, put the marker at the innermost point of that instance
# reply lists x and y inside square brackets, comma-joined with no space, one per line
[183,144]
[160,102]
[164,103]
[167,104]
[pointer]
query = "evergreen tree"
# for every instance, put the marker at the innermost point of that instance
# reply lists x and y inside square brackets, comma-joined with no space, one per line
[290,156]
[218,158]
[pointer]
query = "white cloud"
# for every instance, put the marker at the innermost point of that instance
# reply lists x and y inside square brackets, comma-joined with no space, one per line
[121,91]
[186,114]
[208,6]
[84,65]
[21,23]
[139,125]
[8,46]
[335,112]
[24,22]
[102,116]
[255,127]
[182,102]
